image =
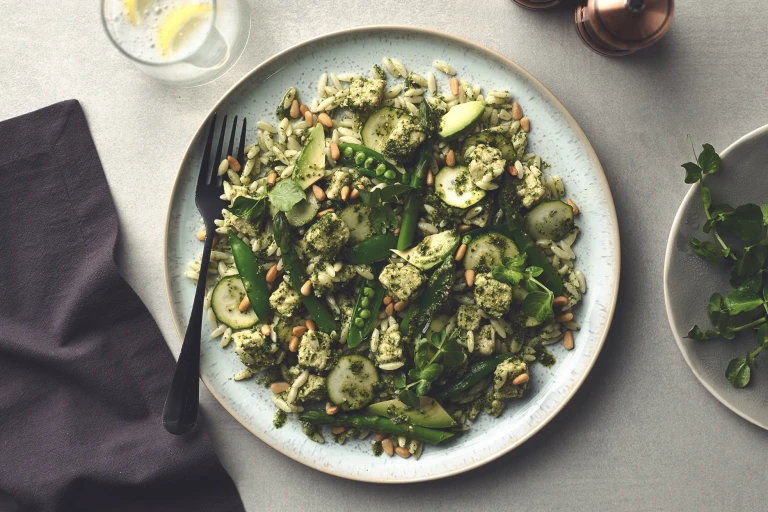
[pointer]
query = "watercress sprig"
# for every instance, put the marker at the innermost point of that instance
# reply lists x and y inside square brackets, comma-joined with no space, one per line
[427,369]
[538,302]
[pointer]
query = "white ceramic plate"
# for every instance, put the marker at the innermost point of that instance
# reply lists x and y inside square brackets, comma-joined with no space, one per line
[554,134]
[689,280]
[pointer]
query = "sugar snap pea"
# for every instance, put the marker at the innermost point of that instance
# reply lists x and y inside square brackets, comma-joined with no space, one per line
[366,311]
[252,276]
[376,424]
[372,249]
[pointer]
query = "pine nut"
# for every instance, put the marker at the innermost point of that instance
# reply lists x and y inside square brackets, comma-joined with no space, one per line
[454,83]
[387,300]
[388,447]
[215,240]
[233,164]
[390,310]
[279,387]
[244,304]
[573,206]
[303,108]
[517,112]
[379,437]
[560,301]
[461,252]
[293,346]
[512,170]
[401,305]
[521,379]
[469,277]
[355,194]
[271,274]
[430,178]
[306,288]
[464,228]
[330,411]
[525,123]
[318,192]
[271,178]
[299,330]
[568,340]
[325,120]
[338,430]
[403,452]
[345,192]
[335,151]
[450,158]
[310,324]
[201,235]
[565,317]
[309,119]
[323,212]
[266,330]
[295,111]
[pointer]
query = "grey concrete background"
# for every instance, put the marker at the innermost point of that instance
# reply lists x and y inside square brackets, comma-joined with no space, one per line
[642,433]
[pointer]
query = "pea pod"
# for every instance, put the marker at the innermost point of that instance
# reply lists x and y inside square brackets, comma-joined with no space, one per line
[415,199]
[372,249]
[252,275]
[475,374]
[298,276]
[376,424]
[365,313]
[417,322]
[369,162]
[509,202]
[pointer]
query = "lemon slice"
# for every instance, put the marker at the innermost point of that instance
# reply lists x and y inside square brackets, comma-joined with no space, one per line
[180,24]
[135,9]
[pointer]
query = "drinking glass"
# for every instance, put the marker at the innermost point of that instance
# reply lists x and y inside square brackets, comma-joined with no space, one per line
[182,42]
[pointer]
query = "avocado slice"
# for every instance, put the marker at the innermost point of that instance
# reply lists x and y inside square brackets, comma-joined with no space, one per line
[459,119]
[310,164]
[429,413]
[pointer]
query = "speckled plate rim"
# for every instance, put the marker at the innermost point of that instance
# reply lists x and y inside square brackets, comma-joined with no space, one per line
[600,177]
[671,317]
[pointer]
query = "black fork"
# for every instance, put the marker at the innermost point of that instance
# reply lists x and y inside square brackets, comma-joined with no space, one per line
[181,403]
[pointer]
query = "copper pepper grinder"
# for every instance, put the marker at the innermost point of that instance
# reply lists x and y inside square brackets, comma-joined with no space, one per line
[619,27]
[537,4]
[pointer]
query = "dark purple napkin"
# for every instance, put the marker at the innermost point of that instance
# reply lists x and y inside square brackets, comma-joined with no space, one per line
[83,367]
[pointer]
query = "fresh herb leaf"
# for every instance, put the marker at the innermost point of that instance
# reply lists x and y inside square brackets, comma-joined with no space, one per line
[437,339]
[746,223]
[247,208]
[709,250]
[740,301]
[706,197]
[764,209]
[692,172]
[709,160]
[538,304]
[285,194]
[409,398]
[383,219]
[512,271]
[696,334]
[453,359]
[431,372]
[422,388]
[534,271]
[751,261]
[421,354]
[762,335]
[398,379]
[391,192]
[738,372]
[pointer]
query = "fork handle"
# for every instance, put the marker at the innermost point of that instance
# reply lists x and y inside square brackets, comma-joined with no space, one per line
[181,403]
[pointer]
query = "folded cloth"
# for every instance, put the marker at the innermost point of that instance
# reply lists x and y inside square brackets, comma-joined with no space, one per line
[83,367]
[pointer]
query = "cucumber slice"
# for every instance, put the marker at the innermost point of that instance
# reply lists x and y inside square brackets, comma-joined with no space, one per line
[351,382]
[429,413]
[379,125]
[431,250]
[310,164]
[304,211]
[355,216]
[455,187]
[488,250]
[495,140]
[225,301]
[459,119]
[551,219]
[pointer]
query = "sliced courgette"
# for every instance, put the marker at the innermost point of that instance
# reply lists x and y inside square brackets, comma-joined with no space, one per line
[351,382]
[457,121]
[379,125]
[455,187]
[495,140]
[225,301]
[429,413]
[356,217]
[310,164]
[304,211]
[550,220]
[488,251]
[431,250]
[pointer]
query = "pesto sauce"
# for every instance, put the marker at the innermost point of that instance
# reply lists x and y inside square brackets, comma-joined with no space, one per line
[544,356]
[280,418]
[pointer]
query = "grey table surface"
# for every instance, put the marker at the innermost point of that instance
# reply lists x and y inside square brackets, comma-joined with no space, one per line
[642,433]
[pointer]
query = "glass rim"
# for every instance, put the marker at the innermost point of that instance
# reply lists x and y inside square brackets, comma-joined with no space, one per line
[133,57]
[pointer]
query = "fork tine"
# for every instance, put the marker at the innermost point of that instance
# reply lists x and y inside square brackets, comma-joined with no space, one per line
[217,160]
[230,148]
[241,149]
[202,176]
